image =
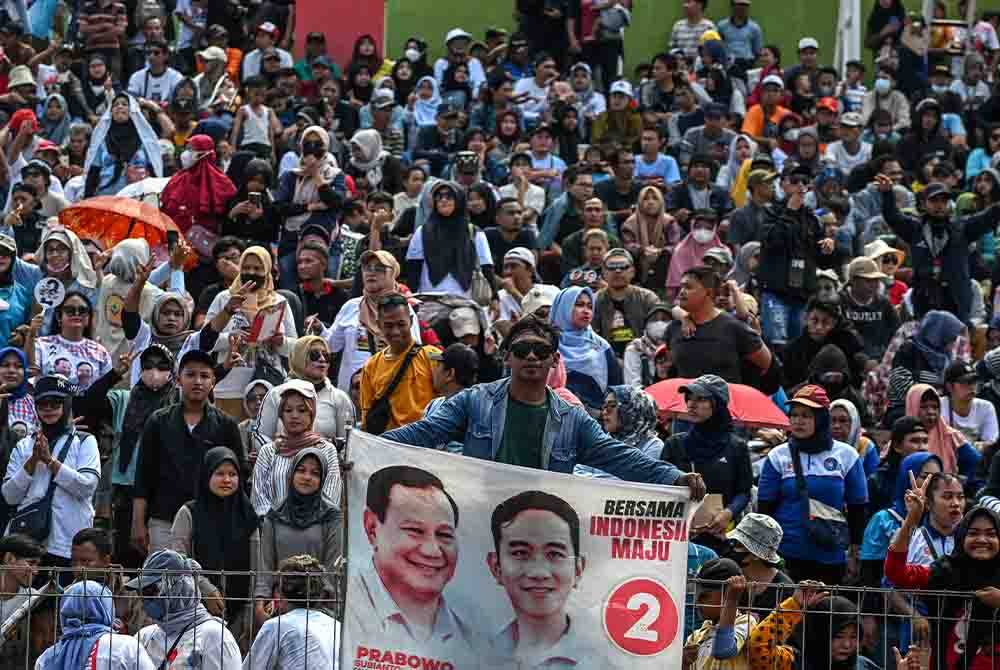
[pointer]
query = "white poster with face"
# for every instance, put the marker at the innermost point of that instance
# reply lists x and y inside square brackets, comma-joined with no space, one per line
[457,562]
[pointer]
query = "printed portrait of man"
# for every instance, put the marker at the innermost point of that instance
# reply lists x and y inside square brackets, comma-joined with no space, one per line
[410,521]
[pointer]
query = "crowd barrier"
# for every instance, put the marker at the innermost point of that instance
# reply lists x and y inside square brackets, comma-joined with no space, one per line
[885,617]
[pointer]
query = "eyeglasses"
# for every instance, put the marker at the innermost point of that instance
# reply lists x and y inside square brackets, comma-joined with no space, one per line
[618,267]
[522,349]
[316,356]
[375,268]
[444,194]
[161,365]
[890,259]
[73,310]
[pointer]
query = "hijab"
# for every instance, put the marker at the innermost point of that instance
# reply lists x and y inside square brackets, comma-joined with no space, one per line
[368,309]
[202,190]
[23,388]
[852,411]
[181,600]
[707,440]
[734,163]
[306,191]
[636,415]
[649,231]
[221,527]
[582,350]
[265,296]
[486,219]
[425,111]
[448,244]
[403,87]
[251,386]
[80,268]
[171,342]
[373,156]
[913,463]
[56,131]
[302,511]
[688,254]
[299,359]
[286,445]
[943,440]
[821,440]
[126,257]
[821,623]
[119,138]
[142,402]
[86,612]
[741,269]
[938,332]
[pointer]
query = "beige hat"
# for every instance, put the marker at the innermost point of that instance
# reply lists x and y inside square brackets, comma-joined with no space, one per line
[464,321]
[20,76]
[540,295]
[879,248]
[213,53]
[864,267]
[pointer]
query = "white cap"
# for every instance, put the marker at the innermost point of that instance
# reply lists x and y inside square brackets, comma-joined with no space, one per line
[521,254]
[540,295]
[623,87]
[213,53]
[808,43]
[773,79]
[456,33]
[464,321]
[851,120]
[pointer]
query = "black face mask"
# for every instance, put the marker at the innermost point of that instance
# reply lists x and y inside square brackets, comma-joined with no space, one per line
[258,280]
[313,148]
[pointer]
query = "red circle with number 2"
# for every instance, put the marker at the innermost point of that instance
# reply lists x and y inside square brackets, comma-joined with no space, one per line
[640,617]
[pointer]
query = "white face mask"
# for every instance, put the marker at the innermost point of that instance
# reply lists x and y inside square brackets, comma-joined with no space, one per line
[702,236]
[656,330]
[187,159]
[412,55]
[882,86]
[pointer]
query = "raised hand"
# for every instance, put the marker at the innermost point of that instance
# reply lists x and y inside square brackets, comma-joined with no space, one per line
[124,363]
[236,299]
[143,271]
[916,500]
[809,593]
[735,587]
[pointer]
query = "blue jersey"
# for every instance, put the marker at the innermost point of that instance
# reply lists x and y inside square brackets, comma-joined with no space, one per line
[835,477]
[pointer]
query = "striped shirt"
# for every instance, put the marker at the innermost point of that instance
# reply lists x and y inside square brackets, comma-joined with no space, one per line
[272,472]
[686,36]
[103,25]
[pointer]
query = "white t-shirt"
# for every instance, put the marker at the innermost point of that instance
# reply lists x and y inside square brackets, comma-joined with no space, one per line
[535,106]
[837,154]
[919,553]
[979,426]
[448,284]
[112,652]
[209,646]
[347,335]
[534,197]
[145,84]
[197,14]
[510,308]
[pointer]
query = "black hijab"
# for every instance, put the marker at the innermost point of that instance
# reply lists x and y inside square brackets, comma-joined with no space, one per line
[221,527]
[123,138]
[822,622]
[448,244]
[404,87]
[485,191]
[879,18]
[302,511]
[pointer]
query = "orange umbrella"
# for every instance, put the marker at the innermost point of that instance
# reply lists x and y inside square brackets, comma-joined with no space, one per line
[747,405]
[111,219]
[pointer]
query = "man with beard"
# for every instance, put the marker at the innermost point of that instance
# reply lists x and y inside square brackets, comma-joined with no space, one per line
[940,247]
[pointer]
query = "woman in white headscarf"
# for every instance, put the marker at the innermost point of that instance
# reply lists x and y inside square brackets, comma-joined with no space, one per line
[63,256]
[373,168]
[122,134]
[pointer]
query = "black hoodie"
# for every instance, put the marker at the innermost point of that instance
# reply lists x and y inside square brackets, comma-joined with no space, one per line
[831,358]
[801,352]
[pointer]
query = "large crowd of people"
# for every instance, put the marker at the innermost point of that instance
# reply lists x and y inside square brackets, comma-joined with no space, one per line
[496,253]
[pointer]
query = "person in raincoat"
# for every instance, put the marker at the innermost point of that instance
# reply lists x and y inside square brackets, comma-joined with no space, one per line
[122,134]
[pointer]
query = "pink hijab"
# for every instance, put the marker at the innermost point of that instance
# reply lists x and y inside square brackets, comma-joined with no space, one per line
[687,255]
[557,382]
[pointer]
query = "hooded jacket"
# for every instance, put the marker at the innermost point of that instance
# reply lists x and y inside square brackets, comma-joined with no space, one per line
[789,237]
[918,142]
[831,358]
[292,199]
[802,352]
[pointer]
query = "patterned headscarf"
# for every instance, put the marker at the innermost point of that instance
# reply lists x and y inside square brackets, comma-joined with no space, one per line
[636,415]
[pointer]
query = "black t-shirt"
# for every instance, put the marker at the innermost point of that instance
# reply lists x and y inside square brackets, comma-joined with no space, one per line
[613,200]
[620,334]
[717,347]
[499,246]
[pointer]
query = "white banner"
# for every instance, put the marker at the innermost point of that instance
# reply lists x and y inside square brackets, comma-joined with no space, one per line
[457,563]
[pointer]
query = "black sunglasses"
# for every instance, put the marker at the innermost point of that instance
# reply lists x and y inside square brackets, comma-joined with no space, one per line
[539,349]
[72,310]
[316,356]
[163,366]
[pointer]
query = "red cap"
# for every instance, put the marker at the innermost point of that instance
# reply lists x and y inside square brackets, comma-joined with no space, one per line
[829,104]
[812,396]
[19,117]
[46,145]
[660,350]
[269,28]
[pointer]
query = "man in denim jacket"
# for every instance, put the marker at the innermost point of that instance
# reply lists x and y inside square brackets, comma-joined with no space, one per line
[478,417]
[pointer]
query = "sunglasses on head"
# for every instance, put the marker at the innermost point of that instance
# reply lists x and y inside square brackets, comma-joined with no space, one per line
[539,349]
[76,310]
[316,356]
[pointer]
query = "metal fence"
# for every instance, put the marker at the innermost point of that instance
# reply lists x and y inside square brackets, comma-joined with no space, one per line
[884,619]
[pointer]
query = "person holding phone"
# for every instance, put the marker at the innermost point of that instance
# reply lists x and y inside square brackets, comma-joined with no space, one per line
[250,213]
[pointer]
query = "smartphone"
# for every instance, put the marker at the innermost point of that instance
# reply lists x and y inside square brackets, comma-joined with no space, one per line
[172,238]
[254,198]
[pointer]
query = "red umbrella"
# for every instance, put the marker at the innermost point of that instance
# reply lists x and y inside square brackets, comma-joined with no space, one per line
[747,405]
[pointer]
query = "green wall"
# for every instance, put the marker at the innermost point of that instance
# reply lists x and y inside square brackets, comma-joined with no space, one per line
[783,22]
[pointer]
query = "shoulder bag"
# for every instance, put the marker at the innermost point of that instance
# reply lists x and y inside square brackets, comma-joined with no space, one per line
[377,418]
[825,526]
[35,520]
[479,290]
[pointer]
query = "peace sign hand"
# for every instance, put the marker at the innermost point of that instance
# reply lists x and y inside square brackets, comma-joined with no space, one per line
[916,500]
[143,271]
[236,299]
[124,363]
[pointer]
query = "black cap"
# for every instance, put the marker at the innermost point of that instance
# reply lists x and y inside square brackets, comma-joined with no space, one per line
[701,159]
[55,386]
[457,356]
[715,109]
[794,167]
[196,356]
[183,105]
[960,372]
[542,128]
[315,229]
[495,31]
[466,162]
[935,189]
[705,213]
[156,349]
[38,166]
[217,30]
[521,156]
[762,161]
[716,571]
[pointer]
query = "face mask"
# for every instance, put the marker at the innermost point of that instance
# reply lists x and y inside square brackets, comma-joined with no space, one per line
[702,236]
[258,280]
[825,91]
[313,148]
[412,55]
[791,135]
[155,379]
[938,88]
[882,86]
[155,608]
[187,159]
[656,330]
